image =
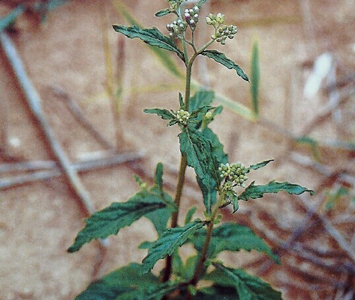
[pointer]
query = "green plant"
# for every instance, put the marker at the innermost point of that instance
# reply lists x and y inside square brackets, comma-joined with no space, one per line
[222,184]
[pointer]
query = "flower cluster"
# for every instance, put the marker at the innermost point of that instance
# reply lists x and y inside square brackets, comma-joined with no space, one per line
[225,32]
[215,20]
[182,116]
[222,32]
[191,17]
[177,28]
[234,175]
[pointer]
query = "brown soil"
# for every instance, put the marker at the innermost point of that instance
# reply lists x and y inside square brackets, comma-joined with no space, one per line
[39,220]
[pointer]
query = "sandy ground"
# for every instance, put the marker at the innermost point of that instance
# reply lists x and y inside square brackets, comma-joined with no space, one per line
[40,220]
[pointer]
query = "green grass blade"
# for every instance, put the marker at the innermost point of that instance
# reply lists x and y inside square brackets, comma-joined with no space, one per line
[255,78]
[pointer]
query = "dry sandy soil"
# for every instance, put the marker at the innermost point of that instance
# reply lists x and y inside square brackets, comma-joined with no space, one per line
[39,220]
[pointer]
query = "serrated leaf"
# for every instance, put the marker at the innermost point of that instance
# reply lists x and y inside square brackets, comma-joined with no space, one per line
[190,214]
[248,287]
[209,191]
[198,152]
[163,113]
[223,60]
[232,237]
[127,284]
[118,283]
[113,218]
[163,13]
[160,217]
[261,164]
[255,78]
[150,36]
[10,18]
[168,242]
[162,55]
[257,191]
[200,99]
[172,122]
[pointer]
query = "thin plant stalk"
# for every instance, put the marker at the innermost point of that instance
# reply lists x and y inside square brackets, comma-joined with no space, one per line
[114,99]
[183,162]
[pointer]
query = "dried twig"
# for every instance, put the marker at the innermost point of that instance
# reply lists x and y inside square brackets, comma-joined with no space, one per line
[55,171]
[34,103]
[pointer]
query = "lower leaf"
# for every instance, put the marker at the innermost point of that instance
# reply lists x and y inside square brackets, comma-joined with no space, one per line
[168,242]
[257,191]
[113,218]
[248,287]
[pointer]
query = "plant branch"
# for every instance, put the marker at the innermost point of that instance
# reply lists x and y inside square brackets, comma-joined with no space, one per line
[182,170]
[203,258]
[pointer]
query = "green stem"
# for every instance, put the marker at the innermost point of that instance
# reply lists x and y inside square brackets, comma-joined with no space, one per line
[182,171]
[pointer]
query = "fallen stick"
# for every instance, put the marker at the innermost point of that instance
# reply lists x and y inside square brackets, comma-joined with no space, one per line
[54,171]
[34,103]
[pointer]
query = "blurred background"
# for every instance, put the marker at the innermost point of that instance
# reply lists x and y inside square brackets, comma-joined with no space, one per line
[73,134]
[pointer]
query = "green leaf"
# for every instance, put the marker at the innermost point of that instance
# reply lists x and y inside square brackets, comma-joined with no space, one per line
[228,63]
[163,113]
[160,217]
[181,101]
[118,283]
[233,198]
[201,2]
[163,13]
[113,218]
[158,177]
[258,191]
[255,78]
[127,284]
[232,237]
[150,36]
[168,242]
[200,99]
[198,152]
[10,18]
[248,287]
[161,55]
[216,292]
[209,191]
[261,164]
[190,214]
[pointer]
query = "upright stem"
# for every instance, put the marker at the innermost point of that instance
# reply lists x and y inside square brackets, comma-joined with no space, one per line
[203,258]
[182,171]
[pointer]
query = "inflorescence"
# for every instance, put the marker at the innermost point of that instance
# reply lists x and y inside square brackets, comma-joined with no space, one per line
[182,116]
[190,19]
[233,175]
[222,32]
